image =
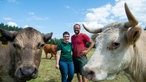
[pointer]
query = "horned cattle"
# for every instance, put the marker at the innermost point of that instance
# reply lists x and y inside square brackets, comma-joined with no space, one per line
[119,47]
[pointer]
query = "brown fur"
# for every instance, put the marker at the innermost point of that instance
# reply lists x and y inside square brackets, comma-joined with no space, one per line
[6,63]
[50,48]
[21,58]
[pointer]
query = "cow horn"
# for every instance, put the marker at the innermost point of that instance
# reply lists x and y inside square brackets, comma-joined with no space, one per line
[132,21]
[92,30]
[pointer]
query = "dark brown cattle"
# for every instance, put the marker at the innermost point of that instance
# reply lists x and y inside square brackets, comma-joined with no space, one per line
[21,55]
[50,48]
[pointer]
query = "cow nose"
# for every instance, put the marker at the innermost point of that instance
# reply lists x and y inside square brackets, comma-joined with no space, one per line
[28,71]
[89,74]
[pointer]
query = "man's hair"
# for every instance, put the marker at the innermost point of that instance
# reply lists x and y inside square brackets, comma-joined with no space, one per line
[78,25]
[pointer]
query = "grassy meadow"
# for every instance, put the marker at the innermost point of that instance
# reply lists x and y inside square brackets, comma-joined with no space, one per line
[48,72]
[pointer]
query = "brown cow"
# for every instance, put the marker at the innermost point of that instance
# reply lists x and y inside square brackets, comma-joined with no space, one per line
[20,58]
[50,48]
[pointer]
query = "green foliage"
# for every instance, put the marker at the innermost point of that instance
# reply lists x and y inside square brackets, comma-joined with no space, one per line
[55,41]
[145,28]
[88,44]
[9,28]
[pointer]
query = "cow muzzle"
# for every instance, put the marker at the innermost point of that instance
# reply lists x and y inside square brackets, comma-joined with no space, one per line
[26,73]
[94,74]
[89,74]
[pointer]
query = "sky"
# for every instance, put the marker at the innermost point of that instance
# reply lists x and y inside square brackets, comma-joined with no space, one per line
[58,16]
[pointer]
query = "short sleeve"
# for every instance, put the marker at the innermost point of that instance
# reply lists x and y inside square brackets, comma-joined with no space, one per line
[71,45]
[86,38]
[59,46]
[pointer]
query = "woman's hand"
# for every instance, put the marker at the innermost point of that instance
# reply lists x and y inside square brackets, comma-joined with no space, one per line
[57,66]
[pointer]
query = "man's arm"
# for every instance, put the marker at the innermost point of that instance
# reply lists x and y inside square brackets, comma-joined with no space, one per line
[90,47]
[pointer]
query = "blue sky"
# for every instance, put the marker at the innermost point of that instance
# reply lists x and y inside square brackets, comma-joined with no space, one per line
[58,16]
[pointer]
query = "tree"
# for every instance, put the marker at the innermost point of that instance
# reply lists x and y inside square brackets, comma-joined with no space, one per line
[145,28]
[9,28]
[55,41]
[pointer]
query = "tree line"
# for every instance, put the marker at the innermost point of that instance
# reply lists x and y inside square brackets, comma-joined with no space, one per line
[9,28]
[16,28]
[51,41]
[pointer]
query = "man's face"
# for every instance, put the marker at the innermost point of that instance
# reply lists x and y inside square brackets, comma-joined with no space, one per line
[77,29]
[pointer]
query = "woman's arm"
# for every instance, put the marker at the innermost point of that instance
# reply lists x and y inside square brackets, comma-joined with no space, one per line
[58,58]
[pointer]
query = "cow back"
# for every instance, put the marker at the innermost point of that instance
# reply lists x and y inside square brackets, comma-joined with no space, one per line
[50,48]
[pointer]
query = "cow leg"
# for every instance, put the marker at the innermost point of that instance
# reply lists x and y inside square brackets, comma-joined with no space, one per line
[46,55]
[51,56]
[55,56]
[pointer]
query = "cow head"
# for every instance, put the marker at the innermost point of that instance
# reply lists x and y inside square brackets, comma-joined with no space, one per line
[28,44]
[112,53]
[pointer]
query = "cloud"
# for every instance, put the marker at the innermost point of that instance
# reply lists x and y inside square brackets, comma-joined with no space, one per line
[99,13]
[26,26]
[7,18]
[67,6]
[12,1]
[31,13]
[35,17]
[12,24]
[108,13]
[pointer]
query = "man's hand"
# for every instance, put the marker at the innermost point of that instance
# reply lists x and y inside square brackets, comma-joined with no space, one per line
[85,52]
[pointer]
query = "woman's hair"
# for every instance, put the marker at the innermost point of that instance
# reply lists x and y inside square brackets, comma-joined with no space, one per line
[66,33]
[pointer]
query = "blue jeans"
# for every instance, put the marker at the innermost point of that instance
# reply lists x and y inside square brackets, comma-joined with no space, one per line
[67,71]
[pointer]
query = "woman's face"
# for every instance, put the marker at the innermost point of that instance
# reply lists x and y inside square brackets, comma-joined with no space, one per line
[66,37]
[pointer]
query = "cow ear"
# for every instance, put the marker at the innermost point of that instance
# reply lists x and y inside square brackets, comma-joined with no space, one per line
[46,37]
[133,34]
[6,36]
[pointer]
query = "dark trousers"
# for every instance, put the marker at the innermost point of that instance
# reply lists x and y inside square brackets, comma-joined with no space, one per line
[67,71]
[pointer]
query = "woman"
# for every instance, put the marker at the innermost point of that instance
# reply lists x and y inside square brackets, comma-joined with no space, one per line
[64,60]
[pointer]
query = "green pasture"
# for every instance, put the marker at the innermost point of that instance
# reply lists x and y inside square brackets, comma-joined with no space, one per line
[48,72]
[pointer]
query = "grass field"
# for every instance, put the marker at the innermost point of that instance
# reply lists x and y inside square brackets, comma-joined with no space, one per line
[48,72]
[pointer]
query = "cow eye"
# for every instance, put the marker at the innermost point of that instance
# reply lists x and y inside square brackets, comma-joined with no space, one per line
[16,45]
[115,45]
[40,45]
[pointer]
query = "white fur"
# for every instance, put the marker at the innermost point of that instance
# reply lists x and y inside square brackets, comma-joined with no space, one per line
[106,64]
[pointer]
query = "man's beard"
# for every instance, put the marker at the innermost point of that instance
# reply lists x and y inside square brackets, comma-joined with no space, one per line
[77,32]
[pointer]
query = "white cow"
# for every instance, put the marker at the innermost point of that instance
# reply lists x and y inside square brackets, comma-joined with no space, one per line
[119,47]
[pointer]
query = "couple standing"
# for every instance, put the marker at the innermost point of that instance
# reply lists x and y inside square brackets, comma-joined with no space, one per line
[68,63]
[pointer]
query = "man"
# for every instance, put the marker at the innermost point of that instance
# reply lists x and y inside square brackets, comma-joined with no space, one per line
[80,51]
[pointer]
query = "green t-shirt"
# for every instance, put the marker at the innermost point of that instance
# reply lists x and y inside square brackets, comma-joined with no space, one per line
[66,51]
